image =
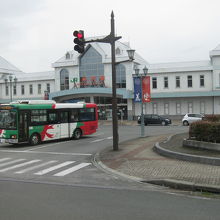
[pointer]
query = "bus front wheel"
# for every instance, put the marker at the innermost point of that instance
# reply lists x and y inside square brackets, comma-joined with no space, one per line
[77,134]
[34,139]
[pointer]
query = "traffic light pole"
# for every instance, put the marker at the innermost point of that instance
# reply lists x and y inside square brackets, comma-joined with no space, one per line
[114,94]
[111,40]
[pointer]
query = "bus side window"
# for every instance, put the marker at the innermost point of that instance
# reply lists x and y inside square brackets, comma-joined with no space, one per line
[64,117]
[87,114]
[74,117]
[52,117]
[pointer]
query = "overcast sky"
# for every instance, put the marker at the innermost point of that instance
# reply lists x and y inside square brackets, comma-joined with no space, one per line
[34,34]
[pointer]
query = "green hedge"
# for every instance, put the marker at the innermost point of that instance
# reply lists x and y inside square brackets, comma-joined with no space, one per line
[205,131]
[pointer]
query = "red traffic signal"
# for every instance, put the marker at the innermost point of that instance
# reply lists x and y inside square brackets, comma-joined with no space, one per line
[78,34]
[79,41]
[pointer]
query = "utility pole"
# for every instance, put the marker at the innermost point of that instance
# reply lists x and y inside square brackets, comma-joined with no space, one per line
[114,94]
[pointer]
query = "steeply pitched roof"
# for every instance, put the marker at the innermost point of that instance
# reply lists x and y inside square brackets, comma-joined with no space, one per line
[105,50]
[6,67]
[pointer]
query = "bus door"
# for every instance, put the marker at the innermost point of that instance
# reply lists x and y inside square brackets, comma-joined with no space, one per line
[23,126]
[64,124]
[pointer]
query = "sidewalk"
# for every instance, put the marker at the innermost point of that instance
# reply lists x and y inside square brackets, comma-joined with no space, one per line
[136,159]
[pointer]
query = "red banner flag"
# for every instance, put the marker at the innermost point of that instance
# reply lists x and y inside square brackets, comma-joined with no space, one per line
[146,89]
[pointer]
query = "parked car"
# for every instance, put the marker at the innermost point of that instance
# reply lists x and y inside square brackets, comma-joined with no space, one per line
[190,118]
[154,119]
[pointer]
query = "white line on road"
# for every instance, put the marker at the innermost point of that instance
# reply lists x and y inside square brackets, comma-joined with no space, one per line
[4,159]
[45,152]
[42,172]
[11,162]
[97,140]
[35,167]
[102,139]
[72,169]
[19,165]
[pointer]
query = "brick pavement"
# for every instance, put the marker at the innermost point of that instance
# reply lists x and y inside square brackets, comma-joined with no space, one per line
[136,158]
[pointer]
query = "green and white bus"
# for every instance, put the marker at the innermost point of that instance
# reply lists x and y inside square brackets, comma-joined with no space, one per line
[35,121]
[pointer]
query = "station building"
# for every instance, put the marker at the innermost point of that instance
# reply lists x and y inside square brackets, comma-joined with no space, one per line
[176,88]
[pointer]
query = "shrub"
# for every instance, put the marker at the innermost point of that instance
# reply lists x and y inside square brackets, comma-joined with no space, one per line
[212,118]
[205,131]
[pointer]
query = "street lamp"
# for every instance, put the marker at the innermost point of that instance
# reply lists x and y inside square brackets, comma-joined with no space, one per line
[145,71]
[12,82]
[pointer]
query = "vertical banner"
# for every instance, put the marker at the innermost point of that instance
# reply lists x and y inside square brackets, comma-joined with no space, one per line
[137,89]
[146,89]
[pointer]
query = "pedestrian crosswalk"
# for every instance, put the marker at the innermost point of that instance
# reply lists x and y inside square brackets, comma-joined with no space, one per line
[39,167]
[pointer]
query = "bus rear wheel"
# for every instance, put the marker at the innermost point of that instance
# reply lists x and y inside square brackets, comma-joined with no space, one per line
[35,139]
[77,134]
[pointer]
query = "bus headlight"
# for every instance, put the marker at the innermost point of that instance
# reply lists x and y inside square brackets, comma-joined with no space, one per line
[14,136]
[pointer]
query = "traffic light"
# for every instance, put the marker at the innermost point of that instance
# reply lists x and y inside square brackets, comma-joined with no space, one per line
[79,41]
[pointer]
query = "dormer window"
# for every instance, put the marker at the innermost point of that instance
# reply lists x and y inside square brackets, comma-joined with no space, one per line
[67,56]
[117,51]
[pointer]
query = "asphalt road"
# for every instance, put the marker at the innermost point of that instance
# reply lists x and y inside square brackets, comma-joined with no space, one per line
[57,180]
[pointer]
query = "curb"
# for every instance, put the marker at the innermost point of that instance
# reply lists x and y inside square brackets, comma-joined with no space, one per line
[98,163]
[184,185]
[187,157]
[171,183]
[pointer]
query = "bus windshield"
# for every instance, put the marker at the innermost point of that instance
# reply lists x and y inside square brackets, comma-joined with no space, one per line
[7,119]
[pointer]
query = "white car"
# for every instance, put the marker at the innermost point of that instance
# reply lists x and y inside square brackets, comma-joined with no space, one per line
[189,118]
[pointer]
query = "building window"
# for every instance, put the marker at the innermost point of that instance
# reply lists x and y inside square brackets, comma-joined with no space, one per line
[154,82]
[154,108]
[31,89]
[178,108]
[165,82]
[177,81]
[120,76]
[189,79]
[39,88]
[166,108]
[118,51]
[202,107]
[22,89]
[64,79]
[14,90]
[67,56]
[91,69]
[190,107]
[6,90]
[48,87]
[202,81]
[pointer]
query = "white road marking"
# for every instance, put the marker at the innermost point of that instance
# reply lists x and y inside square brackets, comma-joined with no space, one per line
[19,165]
[44,152]
[42,172]
[97,140]
[11,162]
[4,159]
[35,167]
[44,146]
[72,169]
[102,139]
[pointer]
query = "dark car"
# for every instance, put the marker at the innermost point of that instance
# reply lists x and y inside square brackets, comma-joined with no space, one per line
[154,119]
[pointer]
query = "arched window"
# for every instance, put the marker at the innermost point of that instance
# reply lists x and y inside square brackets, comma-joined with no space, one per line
[67,56]
[120,76]
[91,68]
[118,51]
[64,79]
